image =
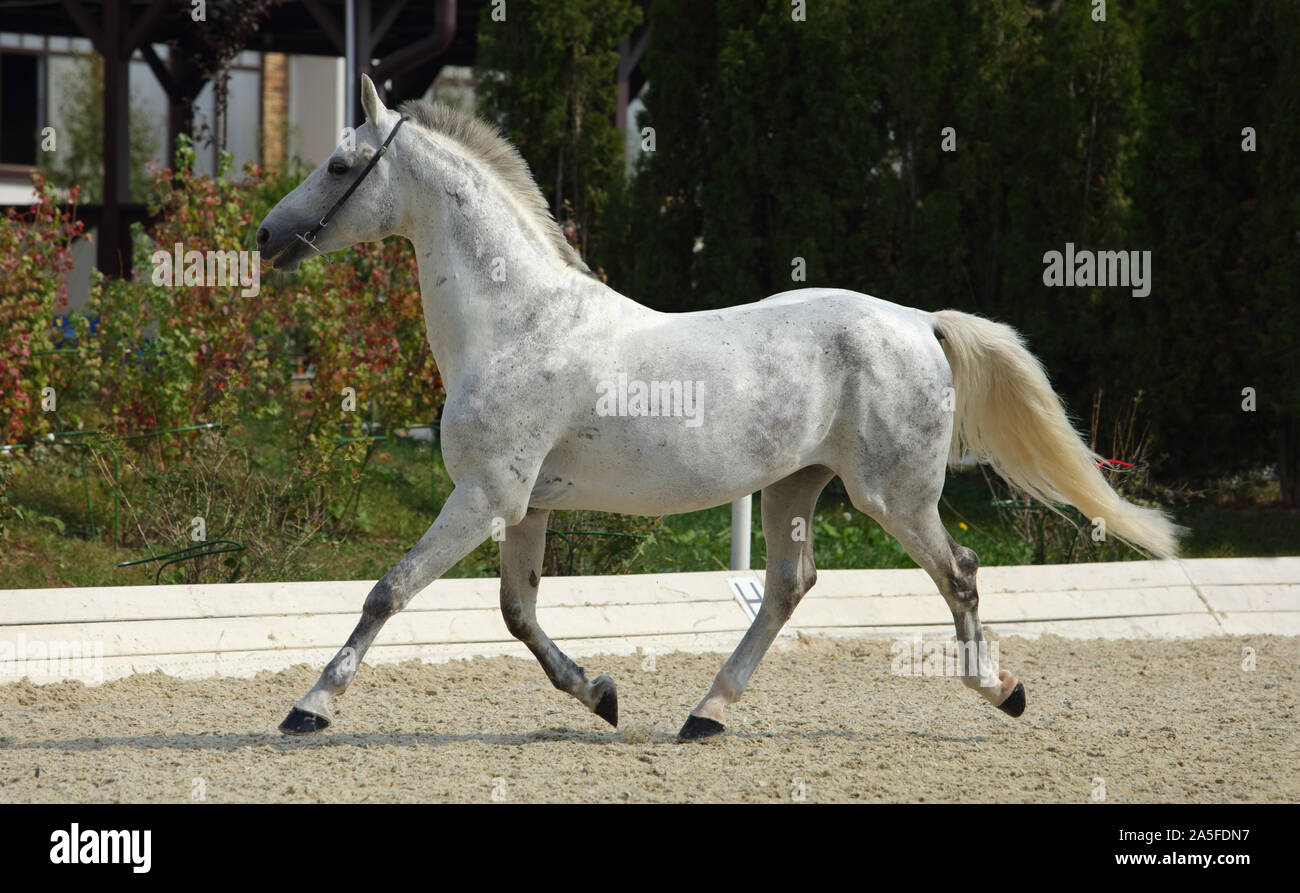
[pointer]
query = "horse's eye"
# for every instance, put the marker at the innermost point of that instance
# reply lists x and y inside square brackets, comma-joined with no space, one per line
[338,167]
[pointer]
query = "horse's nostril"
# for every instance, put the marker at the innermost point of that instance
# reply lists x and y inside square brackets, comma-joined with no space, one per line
[263,236]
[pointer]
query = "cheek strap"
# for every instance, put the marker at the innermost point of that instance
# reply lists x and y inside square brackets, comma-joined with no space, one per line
[310,235]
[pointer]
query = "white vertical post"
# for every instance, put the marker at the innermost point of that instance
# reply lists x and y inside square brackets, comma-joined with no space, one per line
[351,84]
[741,510]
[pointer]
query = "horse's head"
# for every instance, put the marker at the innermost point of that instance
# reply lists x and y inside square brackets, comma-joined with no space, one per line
[312,216]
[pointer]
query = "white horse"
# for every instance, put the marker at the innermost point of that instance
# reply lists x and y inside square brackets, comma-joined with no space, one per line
[537,354]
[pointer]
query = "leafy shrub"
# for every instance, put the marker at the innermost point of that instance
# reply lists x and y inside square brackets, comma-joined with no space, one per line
[360,325]
[166,355]
[219,479]
[169,356]
[592,543]
[35,253]
[1066,536]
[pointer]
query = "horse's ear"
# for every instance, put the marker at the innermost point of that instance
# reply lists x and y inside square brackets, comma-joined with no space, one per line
[371,104]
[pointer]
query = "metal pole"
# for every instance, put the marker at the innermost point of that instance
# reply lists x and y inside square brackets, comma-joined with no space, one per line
[741,510]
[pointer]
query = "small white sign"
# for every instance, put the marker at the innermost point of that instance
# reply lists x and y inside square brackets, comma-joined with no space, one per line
[748,593]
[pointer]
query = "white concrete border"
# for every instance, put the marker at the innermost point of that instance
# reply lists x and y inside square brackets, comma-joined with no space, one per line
[99,634]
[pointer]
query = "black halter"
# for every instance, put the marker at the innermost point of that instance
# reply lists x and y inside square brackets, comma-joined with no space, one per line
[310,236]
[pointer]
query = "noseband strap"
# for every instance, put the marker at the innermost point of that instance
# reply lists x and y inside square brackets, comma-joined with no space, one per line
[310,235]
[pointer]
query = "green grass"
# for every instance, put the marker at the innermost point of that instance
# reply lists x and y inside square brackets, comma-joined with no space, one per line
[51,543]
[842,537]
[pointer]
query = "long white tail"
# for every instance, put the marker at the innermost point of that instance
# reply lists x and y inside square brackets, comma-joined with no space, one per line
[1008,415]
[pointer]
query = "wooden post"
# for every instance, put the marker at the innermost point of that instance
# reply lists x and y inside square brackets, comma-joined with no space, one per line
[113,249]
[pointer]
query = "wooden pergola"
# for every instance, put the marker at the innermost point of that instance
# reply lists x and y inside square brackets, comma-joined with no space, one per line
[400,42]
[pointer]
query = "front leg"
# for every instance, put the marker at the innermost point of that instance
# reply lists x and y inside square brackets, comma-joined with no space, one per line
[464,522]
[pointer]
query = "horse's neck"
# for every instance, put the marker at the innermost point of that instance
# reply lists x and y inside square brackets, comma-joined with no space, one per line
[488,281]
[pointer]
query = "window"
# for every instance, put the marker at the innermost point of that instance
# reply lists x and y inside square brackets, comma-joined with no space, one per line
[18,94]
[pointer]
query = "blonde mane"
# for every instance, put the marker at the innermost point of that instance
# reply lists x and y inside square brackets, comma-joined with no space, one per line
[485,143]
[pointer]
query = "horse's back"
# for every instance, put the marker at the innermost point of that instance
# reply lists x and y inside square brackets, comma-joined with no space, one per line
[854,303]
[851,330]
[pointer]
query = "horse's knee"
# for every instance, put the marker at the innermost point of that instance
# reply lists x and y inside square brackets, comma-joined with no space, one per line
[518,612]
[383,601]
[517,621]
[787,584]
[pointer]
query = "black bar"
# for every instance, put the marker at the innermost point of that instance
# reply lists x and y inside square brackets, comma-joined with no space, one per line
[943,844]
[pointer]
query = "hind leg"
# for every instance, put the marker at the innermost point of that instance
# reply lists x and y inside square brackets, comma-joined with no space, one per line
[952,567]
[790,574]
[979,671]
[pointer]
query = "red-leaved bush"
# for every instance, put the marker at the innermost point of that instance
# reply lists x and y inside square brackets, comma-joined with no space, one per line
[35,253]
[168,355]
[362,327]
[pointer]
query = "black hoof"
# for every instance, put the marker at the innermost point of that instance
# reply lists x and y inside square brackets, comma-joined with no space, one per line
[698,728]
[300,722]
[607,706]
[1014,705]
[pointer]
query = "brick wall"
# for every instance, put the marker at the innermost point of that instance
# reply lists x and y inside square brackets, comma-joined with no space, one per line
[275,109]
